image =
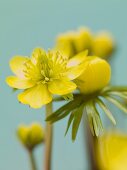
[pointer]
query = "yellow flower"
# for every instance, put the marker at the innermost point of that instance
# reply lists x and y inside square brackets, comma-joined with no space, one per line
[31,136]
[95,76]
[83,39]
[103,45]
[43,75]
[74,42]
[112,151]
[64,43]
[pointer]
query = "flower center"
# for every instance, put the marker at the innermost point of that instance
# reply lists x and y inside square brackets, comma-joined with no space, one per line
[46,68]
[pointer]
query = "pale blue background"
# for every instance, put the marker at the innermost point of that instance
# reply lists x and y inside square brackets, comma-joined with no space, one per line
[25,24]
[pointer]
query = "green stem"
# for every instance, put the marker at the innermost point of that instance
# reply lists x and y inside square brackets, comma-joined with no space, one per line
[48,139]
[32,160]
[91,140]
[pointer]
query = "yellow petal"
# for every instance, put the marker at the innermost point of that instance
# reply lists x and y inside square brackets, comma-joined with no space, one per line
[75,72]
[37,55]
[111,151]
[17,65]
[76,60]
[64,44]
[96,75]
[83,39]
[18,83]
[23,132]
[103,45]
[36,133]
[61,87]
[35,96]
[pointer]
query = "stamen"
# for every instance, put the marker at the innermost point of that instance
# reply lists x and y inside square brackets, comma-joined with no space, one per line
[47,79]
[48,67]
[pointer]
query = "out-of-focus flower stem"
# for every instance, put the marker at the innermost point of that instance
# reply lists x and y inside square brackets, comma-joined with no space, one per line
[90,142]
[48,139]
[32,160]
[91,148]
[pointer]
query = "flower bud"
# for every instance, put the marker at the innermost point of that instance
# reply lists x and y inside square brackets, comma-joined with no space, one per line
[103,45]
[74,42]
[111,151]
[31,136]
[96,75]
[83,40]
[65,44]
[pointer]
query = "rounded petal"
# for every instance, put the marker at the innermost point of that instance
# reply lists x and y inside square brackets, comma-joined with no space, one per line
[22,133]
[103,45]
[75,72]
[17,65]
[61,87]
[64,44]
[111,151]
[96,75]
[78,59]
[37,55]
[36,96]
[83,39]
[18,83]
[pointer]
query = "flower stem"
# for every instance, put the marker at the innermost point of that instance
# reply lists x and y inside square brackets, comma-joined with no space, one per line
[91,140]
[48,139]
[32,160]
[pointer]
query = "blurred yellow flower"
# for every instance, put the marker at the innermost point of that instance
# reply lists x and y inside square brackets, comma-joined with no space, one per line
[103,45]
[96,75]
[74,42]
[31,135]
[112,151]
[83,39]
[64,43]
[44,74]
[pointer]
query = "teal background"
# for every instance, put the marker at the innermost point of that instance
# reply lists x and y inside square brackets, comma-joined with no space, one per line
[25,24]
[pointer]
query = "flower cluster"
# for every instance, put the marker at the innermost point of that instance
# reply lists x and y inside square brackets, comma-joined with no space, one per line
[76,62]
[73,42]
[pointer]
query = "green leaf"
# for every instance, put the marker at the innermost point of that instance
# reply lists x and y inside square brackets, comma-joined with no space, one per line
[98,119]
[71,117]
[116,103]
[59,111]
[66,108]
[14,89]
[68,96]
[125,93]
[119,94]
[58,98]
[90,118]
[114,88]
[106,110]
[57,118]
[76,122]
[119,88]
[94,118]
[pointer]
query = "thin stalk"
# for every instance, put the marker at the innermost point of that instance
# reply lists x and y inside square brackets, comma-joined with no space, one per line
[48,140]
[32,160]
[90,141]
